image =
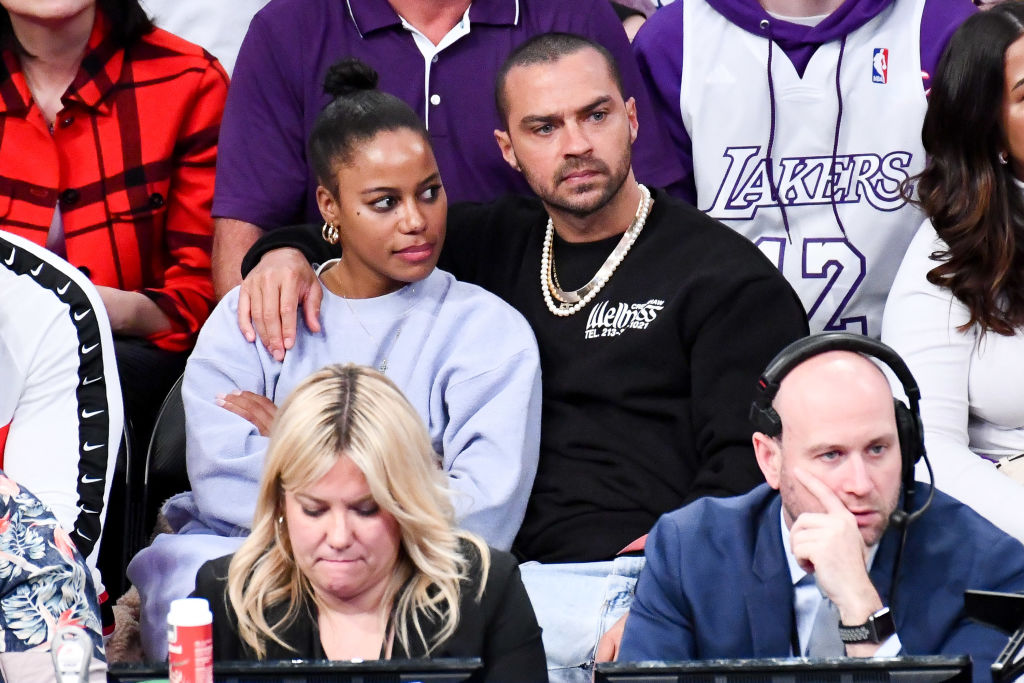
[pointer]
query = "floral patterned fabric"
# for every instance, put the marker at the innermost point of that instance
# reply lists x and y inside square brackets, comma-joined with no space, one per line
[44,582]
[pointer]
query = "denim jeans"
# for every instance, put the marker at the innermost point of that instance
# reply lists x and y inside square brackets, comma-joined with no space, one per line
[575,604]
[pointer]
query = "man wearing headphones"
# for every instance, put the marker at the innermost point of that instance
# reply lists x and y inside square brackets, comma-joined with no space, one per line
[822,561]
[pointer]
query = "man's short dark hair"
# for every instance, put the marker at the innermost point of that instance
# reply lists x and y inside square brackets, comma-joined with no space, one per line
[549,47]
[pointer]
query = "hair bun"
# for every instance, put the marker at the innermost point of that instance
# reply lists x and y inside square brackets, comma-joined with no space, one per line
[349,75]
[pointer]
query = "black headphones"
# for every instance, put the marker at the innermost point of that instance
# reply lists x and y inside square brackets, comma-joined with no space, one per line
[908,419]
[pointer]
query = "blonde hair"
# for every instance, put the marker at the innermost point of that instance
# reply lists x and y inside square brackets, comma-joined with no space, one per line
[354,412]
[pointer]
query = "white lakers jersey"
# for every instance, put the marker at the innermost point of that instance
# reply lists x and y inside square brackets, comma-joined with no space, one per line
[842,259]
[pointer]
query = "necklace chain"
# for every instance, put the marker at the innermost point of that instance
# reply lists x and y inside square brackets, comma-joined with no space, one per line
[573,301]
[383,366]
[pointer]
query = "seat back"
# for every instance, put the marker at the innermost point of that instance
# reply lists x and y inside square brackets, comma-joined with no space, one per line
[166,473]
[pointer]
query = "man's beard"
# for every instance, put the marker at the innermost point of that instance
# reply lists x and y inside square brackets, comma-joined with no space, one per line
[582,209]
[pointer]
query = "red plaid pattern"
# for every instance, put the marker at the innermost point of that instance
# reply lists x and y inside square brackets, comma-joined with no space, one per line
[131,162]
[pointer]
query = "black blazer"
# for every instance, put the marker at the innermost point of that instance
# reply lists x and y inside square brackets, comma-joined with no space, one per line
[501,628]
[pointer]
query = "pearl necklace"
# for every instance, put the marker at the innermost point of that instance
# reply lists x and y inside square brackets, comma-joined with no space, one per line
[573,301]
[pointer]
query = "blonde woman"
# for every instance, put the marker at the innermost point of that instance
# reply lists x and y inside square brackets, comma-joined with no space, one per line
[353,551]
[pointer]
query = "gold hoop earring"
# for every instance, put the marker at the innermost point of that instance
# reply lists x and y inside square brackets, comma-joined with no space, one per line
[330,232]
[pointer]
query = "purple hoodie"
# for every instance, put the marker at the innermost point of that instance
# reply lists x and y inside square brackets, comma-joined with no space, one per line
[659,48]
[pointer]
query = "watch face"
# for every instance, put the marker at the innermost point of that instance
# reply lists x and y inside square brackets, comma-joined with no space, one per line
[883,624]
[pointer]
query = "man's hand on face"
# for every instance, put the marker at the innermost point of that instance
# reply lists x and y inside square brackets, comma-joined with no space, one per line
[830,545]
[269,298]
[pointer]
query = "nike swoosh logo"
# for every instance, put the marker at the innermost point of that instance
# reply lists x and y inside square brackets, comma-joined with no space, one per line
[87,349]
[86,479]
[61,290]
[10,259]
[81,314]
[82,535]
[91,447]
[89,413]
[88,511]
[89,380]
[38,269]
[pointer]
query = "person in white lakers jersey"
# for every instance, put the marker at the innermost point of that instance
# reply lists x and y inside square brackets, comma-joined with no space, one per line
[797,121]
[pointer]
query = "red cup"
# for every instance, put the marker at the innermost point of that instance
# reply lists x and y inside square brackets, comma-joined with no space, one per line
[190,641]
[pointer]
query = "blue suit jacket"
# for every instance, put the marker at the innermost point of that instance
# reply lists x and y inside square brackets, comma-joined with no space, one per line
[717,584]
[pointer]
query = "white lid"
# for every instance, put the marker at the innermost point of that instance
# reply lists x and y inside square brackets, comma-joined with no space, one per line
[190,612]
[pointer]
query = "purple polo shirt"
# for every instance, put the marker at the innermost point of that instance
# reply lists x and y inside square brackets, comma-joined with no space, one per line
[263,174]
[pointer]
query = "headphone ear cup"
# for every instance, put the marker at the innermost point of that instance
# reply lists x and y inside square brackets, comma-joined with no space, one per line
[909,431]
[765,419]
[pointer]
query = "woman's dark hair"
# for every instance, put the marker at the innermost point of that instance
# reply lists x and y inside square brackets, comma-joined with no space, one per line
[358,113]
[128,22]
[967,192]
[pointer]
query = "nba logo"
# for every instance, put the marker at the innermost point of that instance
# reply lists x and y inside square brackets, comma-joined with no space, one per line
[880,65]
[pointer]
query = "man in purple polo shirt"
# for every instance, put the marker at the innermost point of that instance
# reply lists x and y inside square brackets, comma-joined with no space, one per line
[797,121]
[440,56]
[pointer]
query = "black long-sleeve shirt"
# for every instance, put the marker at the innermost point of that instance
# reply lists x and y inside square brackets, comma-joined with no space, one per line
[500,628]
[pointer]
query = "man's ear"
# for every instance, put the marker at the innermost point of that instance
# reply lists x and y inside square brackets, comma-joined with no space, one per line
[328,205]
[769,458]
[634,123]
[505,145]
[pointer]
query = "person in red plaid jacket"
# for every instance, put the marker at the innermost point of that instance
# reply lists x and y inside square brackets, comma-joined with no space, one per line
[108,142]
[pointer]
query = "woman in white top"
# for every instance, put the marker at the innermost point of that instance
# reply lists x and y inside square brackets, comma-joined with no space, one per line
[956,309]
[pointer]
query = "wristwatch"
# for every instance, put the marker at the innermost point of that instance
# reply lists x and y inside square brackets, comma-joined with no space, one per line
[876,629]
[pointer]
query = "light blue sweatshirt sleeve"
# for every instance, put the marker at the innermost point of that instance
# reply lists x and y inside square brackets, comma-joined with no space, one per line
[224,451]
[492,440]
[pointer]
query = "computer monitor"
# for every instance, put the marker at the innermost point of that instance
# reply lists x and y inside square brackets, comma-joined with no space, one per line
[315,671]
[1004,611]
[791,670]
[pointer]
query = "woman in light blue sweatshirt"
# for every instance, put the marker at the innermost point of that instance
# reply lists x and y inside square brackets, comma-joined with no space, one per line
[466,360]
